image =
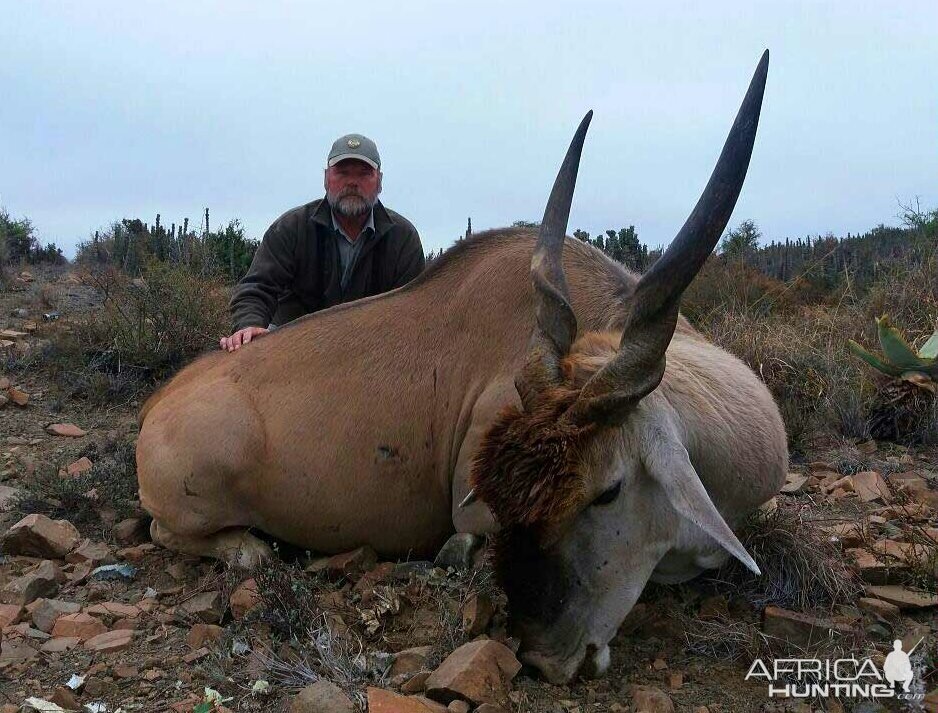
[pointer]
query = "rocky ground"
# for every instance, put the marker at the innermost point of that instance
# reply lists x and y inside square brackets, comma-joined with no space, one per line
[95,617]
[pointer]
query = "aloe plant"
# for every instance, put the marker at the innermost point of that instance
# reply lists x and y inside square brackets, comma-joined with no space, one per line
[900,360]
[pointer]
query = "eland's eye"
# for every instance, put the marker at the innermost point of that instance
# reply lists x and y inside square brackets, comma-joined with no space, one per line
[608,495]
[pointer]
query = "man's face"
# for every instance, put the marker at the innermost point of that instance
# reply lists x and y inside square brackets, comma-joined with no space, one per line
[352,187]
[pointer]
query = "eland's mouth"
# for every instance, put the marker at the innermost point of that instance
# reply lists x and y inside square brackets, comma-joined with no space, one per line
[587,661]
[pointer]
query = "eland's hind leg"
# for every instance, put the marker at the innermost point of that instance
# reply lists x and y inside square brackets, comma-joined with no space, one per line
[199,464]
[235,546]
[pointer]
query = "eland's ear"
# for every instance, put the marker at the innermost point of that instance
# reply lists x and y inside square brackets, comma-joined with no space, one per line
[667,461]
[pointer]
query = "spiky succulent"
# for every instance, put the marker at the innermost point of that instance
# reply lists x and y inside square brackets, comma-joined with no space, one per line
[900,360]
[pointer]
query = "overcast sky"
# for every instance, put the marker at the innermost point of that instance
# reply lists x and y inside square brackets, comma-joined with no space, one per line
[114,109]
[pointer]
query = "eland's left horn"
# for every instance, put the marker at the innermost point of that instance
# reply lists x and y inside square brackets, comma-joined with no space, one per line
[651,311]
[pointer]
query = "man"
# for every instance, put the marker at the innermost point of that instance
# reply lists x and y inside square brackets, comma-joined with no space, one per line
[332,250]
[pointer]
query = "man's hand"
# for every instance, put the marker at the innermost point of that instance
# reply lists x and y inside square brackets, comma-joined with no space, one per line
[242,336]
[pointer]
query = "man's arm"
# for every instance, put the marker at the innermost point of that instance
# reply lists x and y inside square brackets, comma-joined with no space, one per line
[254,300]
[411,260]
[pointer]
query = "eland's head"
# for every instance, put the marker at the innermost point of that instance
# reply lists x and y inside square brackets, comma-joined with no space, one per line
[591,479]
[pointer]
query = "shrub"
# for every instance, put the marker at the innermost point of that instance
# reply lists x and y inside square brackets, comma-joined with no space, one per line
[146,329]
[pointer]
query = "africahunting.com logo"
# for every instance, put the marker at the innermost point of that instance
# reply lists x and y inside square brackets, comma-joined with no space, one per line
[841,678]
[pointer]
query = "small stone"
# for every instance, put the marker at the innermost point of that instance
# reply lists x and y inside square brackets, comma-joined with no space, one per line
[458,707]
[794,483]
[479,671]
[111,611]
[872,569]
[477,614]
[869,486]
[659,664]
[45,611]
[351,564]
[648,699]
[410,661]
[39,536]
[60,644]
[82,625]
[848,534]
[69,430]
[416,683]
[8,495]
[125,671]
[322,697]
[42,581]
[382,701]
[16,652]
[20,398]
[65,698]
[93,553]
[200,634]
[244,599]
[82,465]
[110,641]
[492,708]
[460,551]
[10,614]
[676,680]
[131,531]
[206,606]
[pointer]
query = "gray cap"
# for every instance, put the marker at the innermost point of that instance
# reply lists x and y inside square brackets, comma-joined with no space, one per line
[354,146]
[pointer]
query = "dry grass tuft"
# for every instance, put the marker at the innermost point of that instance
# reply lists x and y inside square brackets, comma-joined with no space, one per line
[801,569]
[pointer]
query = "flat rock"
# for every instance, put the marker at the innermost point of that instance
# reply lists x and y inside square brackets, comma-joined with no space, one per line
[800,629]
[903,597]
[79,624]
[10,614]
[20,398]
[648,699]
[477,614]
[16,651]
[44,612]
[794,483]
[60,644]
[410,661]
[8,495]
[351,564]
[39,536]
[94,553]
[460,551]
[322,697]
[869,485]
[201,634]
[244,598]
[873,569]
[479,671]
[880,607]
[82,465]
[131,531]
[383,701]
[42,581]
[110,641]
[69,430]
[207,606]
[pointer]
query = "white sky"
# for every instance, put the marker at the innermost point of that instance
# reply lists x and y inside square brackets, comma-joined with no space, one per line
[127,109]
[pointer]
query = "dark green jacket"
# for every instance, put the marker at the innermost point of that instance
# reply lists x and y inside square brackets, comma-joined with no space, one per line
[296,268]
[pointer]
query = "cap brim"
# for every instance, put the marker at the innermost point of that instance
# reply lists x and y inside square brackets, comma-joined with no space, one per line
[342,156]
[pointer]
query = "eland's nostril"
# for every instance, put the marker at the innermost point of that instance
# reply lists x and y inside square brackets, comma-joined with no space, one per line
[595,663]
